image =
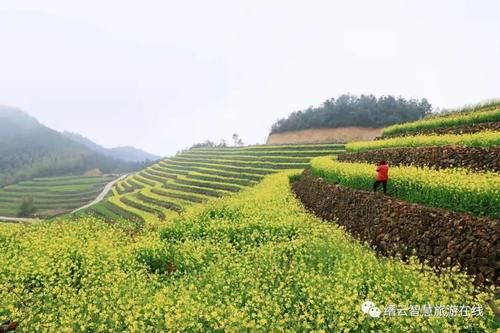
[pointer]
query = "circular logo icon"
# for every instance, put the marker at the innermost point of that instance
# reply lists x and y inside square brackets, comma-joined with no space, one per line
[369,308]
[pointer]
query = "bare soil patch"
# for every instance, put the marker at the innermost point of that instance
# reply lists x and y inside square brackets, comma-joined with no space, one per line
[325,135]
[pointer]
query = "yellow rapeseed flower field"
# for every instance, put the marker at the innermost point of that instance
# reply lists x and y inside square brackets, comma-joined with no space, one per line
[481,139]
[255,261]
[449,120]
[455,189]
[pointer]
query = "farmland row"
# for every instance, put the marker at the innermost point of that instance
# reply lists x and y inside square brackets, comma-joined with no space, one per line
[484,139]
[446,121]
[454,189]
[51,195]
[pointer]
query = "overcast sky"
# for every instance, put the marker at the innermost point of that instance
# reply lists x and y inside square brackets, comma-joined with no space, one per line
[161,75]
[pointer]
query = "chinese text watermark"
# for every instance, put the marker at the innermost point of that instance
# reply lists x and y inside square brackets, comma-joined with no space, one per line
[426,310]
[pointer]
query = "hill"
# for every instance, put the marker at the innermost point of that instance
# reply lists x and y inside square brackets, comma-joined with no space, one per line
[351,110]
[126,153]
[29,149]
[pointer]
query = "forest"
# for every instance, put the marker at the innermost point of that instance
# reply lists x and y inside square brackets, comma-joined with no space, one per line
[353,110]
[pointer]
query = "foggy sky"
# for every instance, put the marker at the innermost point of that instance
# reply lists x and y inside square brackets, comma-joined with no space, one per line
[162,75]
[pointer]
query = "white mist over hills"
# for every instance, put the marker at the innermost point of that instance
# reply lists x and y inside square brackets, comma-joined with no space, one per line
[162,75]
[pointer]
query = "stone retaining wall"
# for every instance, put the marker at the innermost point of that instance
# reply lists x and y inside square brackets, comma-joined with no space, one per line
[394,226]
[478,159]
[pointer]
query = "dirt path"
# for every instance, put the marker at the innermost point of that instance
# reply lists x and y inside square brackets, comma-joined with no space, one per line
[101,195]
[18,219]
[99,198]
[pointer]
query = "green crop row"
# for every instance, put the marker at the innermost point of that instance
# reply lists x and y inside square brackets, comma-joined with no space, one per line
[193,189]
[272,153]
[227,174]
[197,173]
[133,184]
[209,185]
[154,199]
[482,139]
[128,185]
[48,195]
[147,175]
[39,200]
[264,148]
[448,120]
[179,195]
[235,181]
[137,203]
[139,177]
[247,164]
[244,158]
[454,189]
[66,189]
[129,213]
[101,210]
[160,170]
[182,165]
[77,181]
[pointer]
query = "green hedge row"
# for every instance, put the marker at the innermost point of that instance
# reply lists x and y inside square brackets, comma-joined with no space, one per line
[193,189]
[162,203]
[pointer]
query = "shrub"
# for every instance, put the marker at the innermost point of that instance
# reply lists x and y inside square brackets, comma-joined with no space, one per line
[26,207]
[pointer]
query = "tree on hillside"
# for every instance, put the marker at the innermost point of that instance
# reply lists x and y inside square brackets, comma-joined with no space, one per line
[351,110]
[238,142]
[26,207]
[210,144]
[222,143]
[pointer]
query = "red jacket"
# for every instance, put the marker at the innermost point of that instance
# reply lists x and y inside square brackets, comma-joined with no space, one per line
[382,173]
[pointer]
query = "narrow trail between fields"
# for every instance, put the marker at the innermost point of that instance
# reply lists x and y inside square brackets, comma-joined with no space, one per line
[99,198]
[101,195]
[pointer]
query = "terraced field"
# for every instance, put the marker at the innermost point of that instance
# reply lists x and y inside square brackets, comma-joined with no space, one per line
[51,196]
[469,120]
[257,260]
[200,175]
[453,178]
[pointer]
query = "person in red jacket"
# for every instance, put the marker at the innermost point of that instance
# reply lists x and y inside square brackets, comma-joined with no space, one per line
[382,176]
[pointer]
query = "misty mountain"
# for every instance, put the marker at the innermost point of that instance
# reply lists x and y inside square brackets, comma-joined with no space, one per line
[127,153]
[29,149]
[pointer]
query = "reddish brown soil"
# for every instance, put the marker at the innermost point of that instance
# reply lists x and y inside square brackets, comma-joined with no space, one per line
[325,135]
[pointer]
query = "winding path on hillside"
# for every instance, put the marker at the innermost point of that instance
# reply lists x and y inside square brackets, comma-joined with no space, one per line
[101,195]
[99,198]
